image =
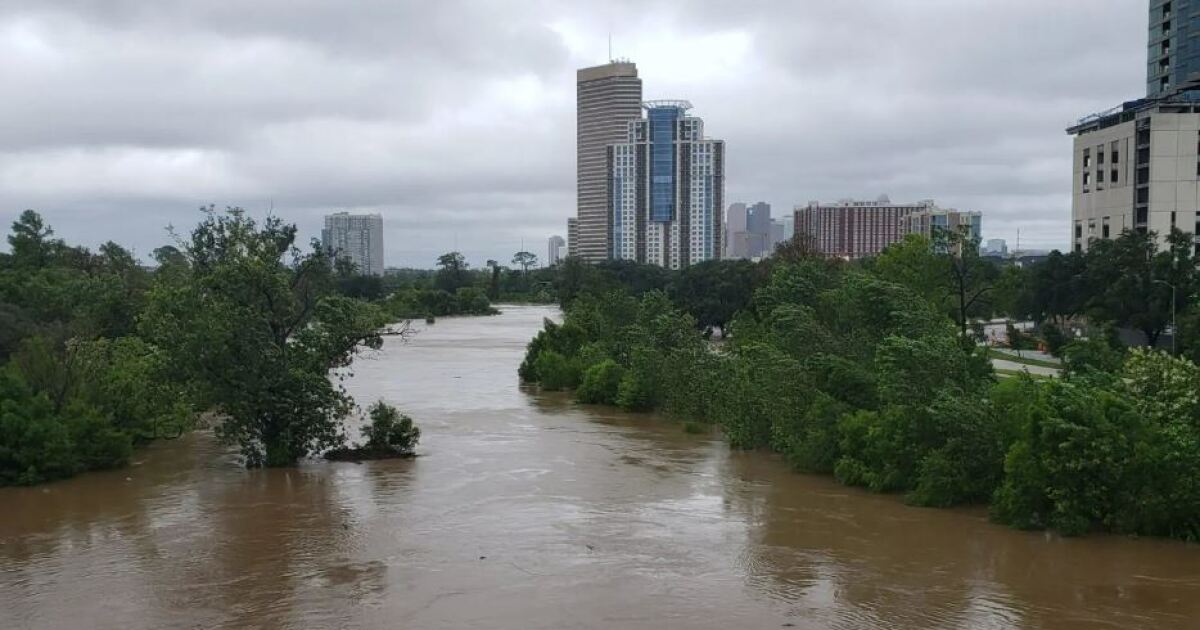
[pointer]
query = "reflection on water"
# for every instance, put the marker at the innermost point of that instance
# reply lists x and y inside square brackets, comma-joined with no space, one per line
[526,510]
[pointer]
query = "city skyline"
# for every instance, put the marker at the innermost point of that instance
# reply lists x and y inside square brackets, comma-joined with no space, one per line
[311,112]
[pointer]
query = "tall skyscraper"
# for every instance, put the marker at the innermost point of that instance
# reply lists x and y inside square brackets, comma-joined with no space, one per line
[777,237]
[758,230]
[607,98]
[735,226]
[572,237]
[554,250]
[854,229]
[357,238]
[667,189]
[1173,45]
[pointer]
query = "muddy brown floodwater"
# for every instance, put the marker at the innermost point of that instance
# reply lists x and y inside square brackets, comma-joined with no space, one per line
[528,511]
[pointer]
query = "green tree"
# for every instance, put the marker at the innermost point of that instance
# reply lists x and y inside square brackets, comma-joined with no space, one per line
[494,280]
[257,336]
[525,260]
[714,291]
[30,241]
[452,272]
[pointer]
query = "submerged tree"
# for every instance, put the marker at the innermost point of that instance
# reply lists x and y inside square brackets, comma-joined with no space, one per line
[452,272]
[253,323]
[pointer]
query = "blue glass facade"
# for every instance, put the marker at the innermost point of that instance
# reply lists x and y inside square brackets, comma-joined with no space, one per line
[663,125]
[1173,55]
[666,188]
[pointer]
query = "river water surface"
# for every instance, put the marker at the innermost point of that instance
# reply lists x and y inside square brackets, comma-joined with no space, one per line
[527,511]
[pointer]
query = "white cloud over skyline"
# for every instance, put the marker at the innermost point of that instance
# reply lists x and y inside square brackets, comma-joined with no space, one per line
[455,120]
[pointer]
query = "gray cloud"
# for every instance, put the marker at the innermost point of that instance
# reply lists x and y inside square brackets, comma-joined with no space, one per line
[455,119]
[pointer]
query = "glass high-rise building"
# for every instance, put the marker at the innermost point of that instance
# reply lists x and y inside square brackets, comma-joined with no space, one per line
[666,189]
[607,98]
[1173,55]
[357,238]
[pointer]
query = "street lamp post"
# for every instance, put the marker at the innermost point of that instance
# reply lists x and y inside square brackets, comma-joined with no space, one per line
[1174,328]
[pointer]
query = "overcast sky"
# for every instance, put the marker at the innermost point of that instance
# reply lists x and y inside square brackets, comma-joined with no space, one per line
[455,120]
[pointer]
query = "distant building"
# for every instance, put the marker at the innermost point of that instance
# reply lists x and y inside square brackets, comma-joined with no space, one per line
[777,236]
[357,238]
[748,231]
[758,224]
[555,250]
[666,189]
[854,229]
[995,247]
[930,221]
[607,98]
[735,225]
[572,237]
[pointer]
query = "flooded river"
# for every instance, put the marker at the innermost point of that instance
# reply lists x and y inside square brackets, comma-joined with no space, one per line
[528,511]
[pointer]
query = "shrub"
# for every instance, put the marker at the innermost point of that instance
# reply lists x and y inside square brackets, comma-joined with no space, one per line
[636,392]
[390,430]
[1066,470]
[601,383]
[556,372]
[964,462]
[389,435]
[813,447]
[1091,355]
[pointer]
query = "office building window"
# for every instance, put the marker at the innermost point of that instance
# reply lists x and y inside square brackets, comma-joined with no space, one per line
[1100,154]
[1112,179]
[1116,152]
[1099,177]
[1087,158]
[1087,178]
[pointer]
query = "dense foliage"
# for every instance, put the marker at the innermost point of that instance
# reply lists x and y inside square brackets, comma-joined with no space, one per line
[254,325]
[101,355]
[78,390]
[867,372]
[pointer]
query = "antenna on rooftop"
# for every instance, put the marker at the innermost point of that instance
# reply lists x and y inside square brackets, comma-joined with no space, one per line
[610,57]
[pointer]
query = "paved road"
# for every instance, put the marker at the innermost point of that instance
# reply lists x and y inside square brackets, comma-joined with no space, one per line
[1001,364]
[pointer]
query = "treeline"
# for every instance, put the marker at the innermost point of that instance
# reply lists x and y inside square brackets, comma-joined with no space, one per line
[235,320]
[863,371]
[1127,283]
[454,288]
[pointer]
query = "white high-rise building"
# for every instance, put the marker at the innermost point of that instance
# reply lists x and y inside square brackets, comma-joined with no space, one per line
[555,250]
[666,189]
[357,238]
[1136,168]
